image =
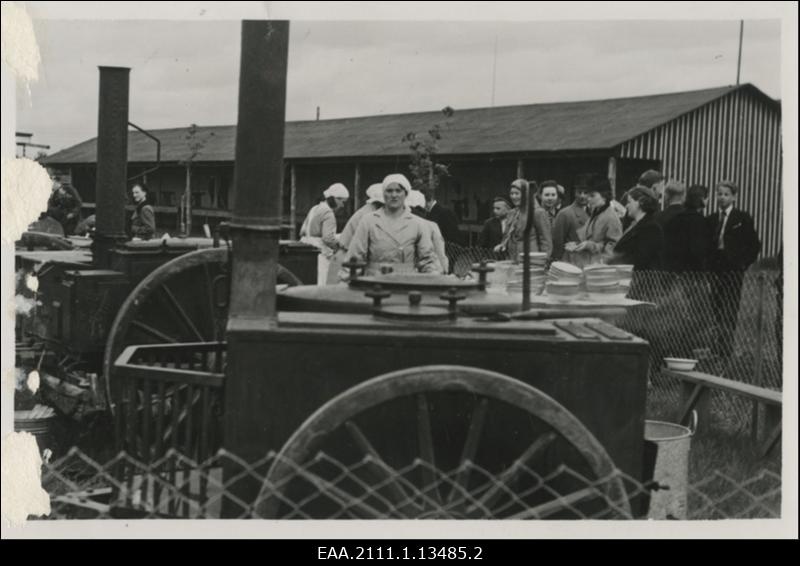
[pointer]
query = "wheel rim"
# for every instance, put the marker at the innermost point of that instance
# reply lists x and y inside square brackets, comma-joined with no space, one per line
[184,300]
[455,496]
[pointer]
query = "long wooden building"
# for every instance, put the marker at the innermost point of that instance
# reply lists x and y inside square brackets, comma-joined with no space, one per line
[701,136]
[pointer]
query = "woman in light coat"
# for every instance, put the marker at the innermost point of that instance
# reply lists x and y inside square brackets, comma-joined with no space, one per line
[603,230]
[319,230]
[394,235]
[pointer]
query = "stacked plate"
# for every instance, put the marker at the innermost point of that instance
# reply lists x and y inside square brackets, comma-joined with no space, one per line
[564,281]
[603,283]
[625,272]
[537,276]
[498,279]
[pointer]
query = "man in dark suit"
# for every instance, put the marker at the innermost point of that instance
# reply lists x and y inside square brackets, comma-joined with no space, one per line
[494,228]
[444,218]
[734,247]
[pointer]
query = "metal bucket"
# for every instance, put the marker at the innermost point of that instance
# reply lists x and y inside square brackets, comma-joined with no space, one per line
[668,445]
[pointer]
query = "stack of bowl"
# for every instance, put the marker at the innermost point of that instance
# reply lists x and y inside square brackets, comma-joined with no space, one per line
[602,283]
[624,272]
[496,280]
[563,281]
[537,275]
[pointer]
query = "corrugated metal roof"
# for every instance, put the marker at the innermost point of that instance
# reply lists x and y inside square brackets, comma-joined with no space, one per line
[564,126]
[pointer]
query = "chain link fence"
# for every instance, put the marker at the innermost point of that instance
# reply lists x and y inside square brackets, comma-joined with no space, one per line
[325,488]
[731,323]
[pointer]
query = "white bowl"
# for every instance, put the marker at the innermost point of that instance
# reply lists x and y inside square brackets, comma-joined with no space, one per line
[680,364]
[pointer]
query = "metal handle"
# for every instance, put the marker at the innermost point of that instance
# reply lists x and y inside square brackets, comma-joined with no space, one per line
[693,423]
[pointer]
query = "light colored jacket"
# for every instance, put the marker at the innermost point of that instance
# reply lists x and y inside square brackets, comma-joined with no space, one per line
[602,233]
[541,236]
[568,222]
[321,224]
[350,228]
[405,243]
[438,245]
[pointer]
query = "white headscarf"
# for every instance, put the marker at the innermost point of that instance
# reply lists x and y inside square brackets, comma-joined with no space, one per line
[399,179]
[337,190]
[414,199]
[375,193]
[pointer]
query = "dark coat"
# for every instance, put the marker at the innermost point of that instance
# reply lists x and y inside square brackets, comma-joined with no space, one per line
[66,208]
[447,222]
[143,222]
[664,217]
[491,234]
[686,242]
[742,245]
[641,245]
[568,221]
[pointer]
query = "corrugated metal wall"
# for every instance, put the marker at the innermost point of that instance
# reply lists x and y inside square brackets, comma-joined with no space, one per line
[737,137]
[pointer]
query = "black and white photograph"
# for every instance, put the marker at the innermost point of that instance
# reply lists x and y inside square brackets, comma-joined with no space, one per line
[356,262]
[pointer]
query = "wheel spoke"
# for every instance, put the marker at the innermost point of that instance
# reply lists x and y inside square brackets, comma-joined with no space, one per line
[154,332]
[381,469]
[470,447]
[509,476]
[425,439]
[181,313]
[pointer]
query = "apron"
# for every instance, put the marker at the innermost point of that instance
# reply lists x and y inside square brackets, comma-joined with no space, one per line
[328,263]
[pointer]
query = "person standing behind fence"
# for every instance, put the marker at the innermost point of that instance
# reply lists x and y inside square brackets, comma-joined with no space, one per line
[642,244]
[540,236]
[603,229]
[319,230]
[548,192]
[686,240]
[569,222]
[734,247]
[493,229]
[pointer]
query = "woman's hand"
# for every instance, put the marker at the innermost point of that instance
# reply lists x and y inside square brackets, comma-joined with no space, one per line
[499,248]
[582,246]
[570,246]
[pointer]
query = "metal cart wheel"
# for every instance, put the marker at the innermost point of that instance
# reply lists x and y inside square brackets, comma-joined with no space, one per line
[443,442]
[184,300]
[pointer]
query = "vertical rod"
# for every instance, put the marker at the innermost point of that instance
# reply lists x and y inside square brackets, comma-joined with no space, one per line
[526,250]
[494,70]
[293,202]
[520,169]
[112,162]
[612,175]
[357,188]
[739,62]
[758,376]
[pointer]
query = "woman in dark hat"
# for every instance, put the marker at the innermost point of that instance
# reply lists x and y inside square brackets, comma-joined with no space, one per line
[642,243]
[143,220]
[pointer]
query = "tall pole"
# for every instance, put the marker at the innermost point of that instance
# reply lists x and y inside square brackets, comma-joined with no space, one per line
[494,69]
[739,62]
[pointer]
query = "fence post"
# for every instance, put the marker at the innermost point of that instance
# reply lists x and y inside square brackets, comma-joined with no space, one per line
[758,377]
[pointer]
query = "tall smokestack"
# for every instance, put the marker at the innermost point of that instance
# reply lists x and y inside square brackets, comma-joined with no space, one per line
[258,172]
[112,163]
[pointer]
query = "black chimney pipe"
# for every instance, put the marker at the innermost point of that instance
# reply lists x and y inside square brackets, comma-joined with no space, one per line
[112,163]
[258,172]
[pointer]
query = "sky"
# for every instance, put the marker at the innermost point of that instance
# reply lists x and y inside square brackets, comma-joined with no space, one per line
[186,72]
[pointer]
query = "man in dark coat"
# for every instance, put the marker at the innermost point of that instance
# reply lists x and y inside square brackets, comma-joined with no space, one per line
[686,240]
[495,227]
[444,218]
[65,205]
[734,247]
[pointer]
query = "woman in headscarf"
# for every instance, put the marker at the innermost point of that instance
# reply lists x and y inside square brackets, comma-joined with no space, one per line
[319,230]
[541,237]
[143,220]
[603,229]
[394,235]
[642,244]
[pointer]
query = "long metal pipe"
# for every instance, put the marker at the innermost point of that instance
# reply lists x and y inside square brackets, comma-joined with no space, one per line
[258,171]
[112,162]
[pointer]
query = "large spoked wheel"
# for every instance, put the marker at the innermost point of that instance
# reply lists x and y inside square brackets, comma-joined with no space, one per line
[184,300]
[444,442]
